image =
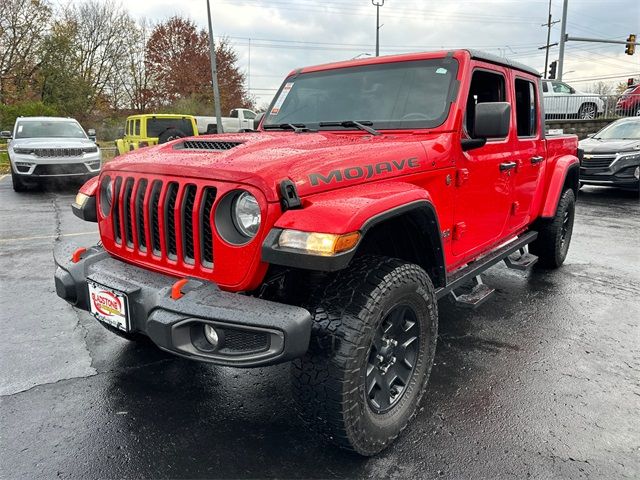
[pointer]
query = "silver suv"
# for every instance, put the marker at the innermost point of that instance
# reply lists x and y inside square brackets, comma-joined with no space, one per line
[50,147]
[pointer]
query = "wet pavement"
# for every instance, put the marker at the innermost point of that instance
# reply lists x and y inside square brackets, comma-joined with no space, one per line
[541,381]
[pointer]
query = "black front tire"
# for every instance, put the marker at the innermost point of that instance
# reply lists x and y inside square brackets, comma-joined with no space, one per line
[333,381]
[171,134]
[18,185]
[554,236]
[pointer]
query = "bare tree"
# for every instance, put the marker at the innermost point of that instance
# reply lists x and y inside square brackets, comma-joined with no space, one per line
[23,24]
[134,77]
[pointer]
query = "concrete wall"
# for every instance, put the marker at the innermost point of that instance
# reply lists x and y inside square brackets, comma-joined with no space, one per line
[578,127]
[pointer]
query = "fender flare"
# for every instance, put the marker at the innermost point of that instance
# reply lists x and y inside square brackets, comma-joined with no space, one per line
[557,182]
[357,208]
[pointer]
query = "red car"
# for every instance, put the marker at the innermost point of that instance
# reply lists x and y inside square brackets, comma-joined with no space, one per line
[372,189]
[629,103]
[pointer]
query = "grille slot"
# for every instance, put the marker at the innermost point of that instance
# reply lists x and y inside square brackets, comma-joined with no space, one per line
[188,200]
[68,169]
[206,243]
[593,161]
[128,218]
[170,219]
[154,202]
[140,222]
[116,211]
[206,145]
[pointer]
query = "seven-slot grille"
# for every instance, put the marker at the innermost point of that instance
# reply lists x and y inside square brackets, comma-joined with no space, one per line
[168,219]
[58,152]
[598,161]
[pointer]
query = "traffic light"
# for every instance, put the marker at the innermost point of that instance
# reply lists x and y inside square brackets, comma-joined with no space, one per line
[552,69]
[631,45]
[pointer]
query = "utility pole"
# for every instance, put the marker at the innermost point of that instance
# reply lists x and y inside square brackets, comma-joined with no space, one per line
[214,74]
[563,35]
[548,45]
[378,4]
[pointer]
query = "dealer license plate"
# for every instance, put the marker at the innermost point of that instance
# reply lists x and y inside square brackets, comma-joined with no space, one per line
[109,306]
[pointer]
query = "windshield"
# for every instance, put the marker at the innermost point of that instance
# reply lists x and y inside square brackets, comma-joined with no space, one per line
[624,130]
[398,95]
[49,129]
[155,126]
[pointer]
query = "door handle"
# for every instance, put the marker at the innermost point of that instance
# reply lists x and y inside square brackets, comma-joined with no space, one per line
[507,166]
[537,159]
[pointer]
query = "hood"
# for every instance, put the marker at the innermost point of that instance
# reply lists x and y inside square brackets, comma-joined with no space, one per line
[591,145]
[314,161]
[52,142]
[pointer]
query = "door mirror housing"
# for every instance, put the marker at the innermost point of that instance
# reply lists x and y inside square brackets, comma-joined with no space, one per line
[6,134]
[91,133]
[572,90]
[492,120]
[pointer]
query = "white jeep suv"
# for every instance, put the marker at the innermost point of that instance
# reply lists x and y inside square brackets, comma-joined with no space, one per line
[42,148]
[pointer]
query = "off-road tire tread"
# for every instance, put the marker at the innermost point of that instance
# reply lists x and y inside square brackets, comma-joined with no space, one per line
[546,247]
[318,377]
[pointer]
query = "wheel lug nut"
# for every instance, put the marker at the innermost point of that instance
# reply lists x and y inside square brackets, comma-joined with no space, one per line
[380,358]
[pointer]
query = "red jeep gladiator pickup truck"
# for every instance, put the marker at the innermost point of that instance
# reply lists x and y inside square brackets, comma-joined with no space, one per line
[371,189]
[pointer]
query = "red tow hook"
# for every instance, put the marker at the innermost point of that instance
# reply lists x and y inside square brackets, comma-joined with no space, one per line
[75,258]
[176,290]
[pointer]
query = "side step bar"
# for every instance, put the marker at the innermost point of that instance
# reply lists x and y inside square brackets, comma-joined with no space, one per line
[466,274]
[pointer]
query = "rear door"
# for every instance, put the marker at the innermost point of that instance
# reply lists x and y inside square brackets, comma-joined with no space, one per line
[528,150]
[483,193]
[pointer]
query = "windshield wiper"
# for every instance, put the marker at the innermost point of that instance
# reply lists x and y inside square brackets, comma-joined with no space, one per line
[352,123]
[297,128]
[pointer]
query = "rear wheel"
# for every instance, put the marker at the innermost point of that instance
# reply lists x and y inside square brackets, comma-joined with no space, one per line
[554,236]
[588,111]
[372,348]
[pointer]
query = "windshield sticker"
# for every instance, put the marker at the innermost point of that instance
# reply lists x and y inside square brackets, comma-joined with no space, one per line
[283,95]
[441,71]
[19,128]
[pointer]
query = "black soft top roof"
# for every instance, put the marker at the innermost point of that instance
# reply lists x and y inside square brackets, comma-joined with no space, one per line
[491,58]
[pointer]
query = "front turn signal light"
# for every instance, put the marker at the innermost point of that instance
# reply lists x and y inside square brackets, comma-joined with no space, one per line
[81,199]
[325,244]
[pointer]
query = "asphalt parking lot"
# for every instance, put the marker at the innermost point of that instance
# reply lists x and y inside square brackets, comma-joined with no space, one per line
[542,381]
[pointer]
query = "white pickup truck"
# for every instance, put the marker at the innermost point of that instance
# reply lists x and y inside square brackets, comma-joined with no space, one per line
[239,119]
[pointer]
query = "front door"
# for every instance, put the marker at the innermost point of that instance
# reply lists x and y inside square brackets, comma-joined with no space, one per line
[483,184]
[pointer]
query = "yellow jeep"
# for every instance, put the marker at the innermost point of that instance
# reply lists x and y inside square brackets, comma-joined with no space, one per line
[151,129]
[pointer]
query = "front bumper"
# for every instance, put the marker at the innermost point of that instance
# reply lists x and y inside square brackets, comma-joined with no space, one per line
[254,332]
[621,173]
[30,166]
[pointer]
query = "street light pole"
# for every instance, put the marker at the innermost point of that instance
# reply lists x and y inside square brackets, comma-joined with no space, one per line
[214,74]
[563,38]
[378,4]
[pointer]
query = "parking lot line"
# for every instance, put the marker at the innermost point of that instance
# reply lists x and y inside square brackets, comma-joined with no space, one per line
[40,237]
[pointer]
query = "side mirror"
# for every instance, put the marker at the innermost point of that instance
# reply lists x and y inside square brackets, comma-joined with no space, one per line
[92,134]
[492,120]
[572,90]
[257,120]
[6,134]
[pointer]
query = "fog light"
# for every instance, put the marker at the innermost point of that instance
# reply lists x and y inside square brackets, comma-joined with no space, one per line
[211,335]
[637,173]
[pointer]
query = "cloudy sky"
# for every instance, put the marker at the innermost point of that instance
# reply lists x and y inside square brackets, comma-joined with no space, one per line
[273,37]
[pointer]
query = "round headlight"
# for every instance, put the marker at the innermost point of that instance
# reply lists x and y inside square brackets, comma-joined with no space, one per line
[106,196]
[246,214]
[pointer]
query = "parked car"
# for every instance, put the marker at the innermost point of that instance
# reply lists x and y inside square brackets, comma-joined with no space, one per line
[374,188]
[239,119]
[629,102]
[612,156]
[564,101]
[43,148]
[154,128]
